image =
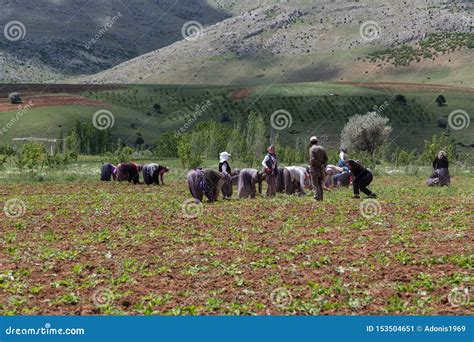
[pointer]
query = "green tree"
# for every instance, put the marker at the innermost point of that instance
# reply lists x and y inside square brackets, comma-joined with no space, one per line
[190,156]
[166,146]
[438,143]
[31,156]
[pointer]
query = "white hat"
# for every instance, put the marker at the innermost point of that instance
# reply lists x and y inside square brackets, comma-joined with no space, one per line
[313,139]
[224,156]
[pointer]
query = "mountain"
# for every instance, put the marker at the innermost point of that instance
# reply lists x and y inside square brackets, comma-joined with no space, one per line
[240,42]
[306,41]
[60,38]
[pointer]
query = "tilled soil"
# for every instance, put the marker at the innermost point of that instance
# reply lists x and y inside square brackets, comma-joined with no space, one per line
[115,248]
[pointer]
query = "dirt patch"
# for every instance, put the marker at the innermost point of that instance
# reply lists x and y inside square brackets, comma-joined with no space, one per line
[43,89]
[51,101]
[408,86]
[241,94]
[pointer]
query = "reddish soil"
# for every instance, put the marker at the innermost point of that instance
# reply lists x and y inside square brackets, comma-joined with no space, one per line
[51,100]
[35,89]
[241,94]
[134,243]
[408,86]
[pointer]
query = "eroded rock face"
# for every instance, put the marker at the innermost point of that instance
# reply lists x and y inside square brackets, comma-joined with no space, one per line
[284,30]
[262,31]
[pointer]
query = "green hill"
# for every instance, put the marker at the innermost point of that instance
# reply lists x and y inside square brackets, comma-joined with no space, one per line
[315,108]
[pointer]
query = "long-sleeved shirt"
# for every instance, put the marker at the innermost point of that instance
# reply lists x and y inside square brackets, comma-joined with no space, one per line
[359,171]
[442,163]
[318,159]
[225,167]
[298,173]
[270,162]
[342,156]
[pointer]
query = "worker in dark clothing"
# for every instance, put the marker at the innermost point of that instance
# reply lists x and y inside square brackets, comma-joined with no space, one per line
[362,177]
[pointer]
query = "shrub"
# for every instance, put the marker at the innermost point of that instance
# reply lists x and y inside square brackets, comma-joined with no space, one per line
[403,158]
[189,158]
[365,132]
[438,143]
[31,156]
[400,99]
[440,100]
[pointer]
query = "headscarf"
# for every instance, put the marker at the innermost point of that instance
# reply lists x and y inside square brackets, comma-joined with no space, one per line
[224,156]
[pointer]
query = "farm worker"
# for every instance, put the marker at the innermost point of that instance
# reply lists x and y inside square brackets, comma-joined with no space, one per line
[296,179]
[153,172]
[280,180]
[331,171]
[224,167]
[440,174]
[342,179]
[108,172]
[205,182]
[318,159]
[129,172]
[342,157]
[362,178]
[270,166]
[247,182]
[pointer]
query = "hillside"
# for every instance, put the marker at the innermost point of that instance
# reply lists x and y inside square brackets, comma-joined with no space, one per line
[315,108]
[57,37]
[302,41]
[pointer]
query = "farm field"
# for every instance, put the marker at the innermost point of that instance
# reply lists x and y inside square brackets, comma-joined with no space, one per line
[84,247]
[315,108]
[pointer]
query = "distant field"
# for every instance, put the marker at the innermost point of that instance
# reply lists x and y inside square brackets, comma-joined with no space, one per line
[315,108]
[85,248]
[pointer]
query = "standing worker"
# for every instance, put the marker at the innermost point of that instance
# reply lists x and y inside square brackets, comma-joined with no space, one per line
[318,160]
[270,166]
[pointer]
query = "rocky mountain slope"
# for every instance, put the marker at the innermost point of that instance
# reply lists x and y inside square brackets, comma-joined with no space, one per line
[308,41]
[229,41]
[48,40]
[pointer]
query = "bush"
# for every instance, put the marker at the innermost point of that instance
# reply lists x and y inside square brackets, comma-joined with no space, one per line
[403,158]
[440,100]
[166,146]
[189,158]
[365,132]
[31,156]
[400,99]
[438,143]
